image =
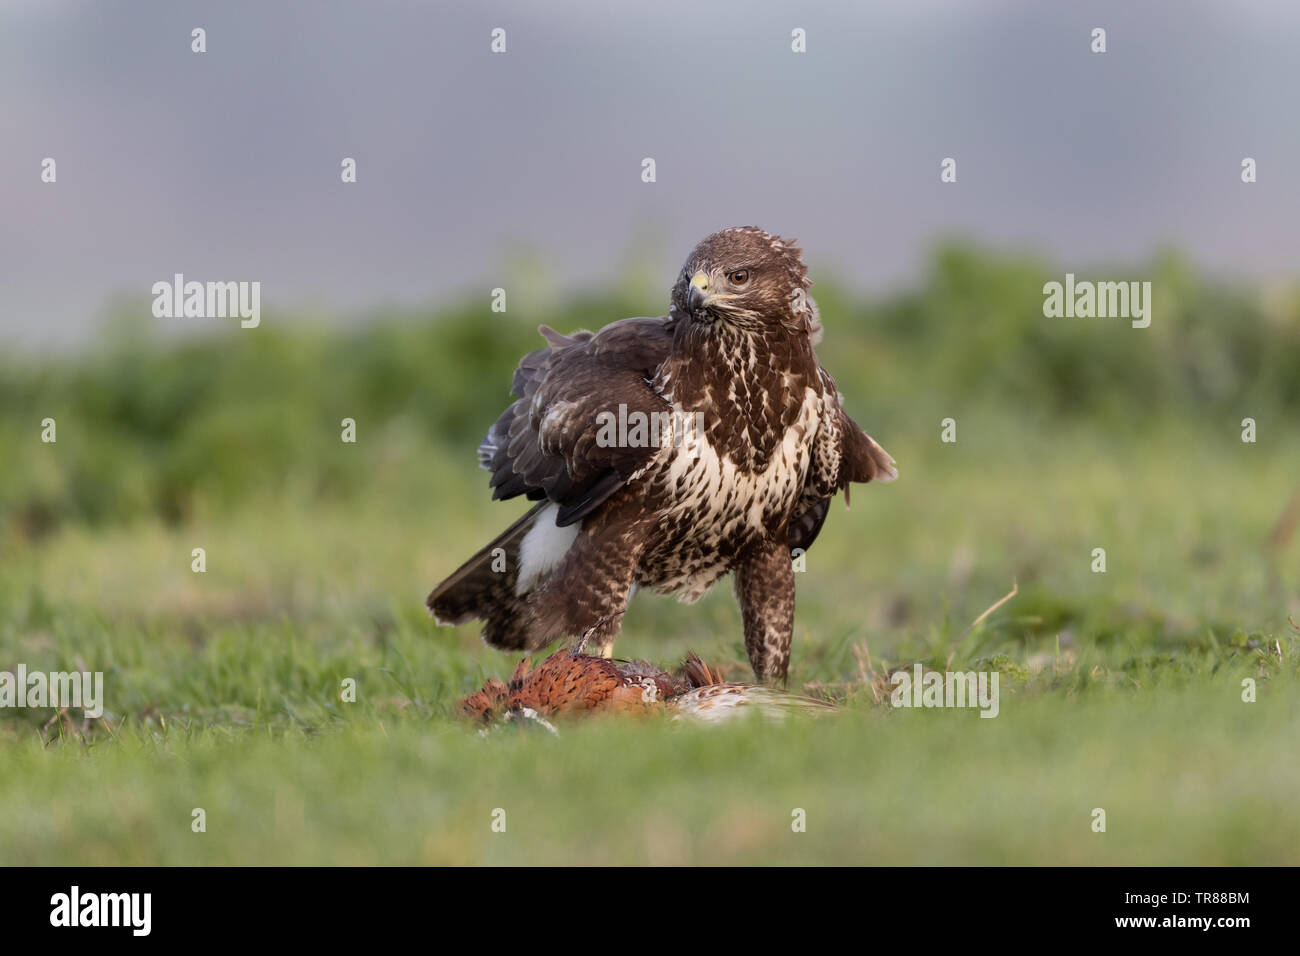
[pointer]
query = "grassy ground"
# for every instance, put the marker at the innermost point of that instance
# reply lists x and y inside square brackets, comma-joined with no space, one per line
[1120,691]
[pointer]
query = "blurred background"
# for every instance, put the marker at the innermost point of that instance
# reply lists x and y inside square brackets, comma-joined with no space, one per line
[477,170]
[522,170]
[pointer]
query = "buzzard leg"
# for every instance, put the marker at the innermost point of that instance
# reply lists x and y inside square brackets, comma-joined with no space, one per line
[765,590]
[587,594]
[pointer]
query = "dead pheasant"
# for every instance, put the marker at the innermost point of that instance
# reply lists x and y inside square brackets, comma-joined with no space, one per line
[570,682]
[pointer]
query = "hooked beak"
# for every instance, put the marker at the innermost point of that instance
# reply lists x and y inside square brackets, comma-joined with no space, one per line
[697,294]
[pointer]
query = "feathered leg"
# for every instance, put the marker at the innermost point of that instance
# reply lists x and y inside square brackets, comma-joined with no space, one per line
[587,594]
[765,590]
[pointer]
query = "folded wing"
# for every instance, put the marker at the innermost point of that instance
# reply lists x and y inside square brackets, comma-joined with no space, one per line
[843,454]
[548,443]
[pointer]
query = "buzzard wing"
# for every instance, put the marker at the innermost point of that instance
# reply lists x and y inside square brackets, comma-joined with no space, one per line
[545,444]
[842,454]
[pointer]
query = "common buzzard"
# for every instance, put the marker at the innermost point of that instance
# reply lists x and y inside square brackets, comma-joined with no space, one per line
[665,452]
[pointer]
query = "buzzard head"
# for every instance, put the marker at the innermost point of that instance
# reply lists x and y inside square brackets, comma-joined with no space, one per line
[748,278]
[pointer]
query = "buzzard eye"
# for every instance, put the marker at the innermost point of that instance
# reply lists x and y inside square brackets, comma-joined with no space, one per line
[739,277]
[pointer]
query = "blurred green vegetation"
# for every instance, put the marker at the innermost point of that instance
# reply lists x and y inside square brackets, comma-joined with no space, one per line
[1120,690]
[149,428]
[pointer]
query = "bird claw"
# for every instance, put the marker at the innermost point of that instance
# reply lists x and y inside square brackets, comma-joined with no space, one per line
[580,646]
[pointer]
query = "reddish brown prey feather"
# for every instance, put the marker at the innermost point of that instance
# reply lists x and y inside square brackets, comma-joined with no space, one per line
[569,684]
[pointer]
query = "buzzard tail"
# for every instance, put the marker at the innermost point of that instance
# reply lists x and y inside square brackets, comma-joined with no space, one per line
[477,589]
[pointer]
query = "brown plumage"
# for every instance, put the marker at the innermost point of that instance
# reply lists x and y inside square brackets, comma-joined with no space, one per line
[570,683]
[757,443]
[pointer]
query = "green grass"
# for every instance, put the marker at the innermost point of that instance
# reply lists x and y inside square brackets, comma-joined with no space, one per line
[1119,690]
[1186,774]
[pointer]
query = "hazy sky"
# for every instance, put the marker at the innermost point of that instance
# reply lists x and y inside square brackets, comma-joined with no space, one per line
[225,165]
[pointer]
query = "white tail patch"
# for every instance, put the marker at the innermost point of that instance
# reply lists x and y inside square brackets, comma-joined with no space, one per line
[543,548]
